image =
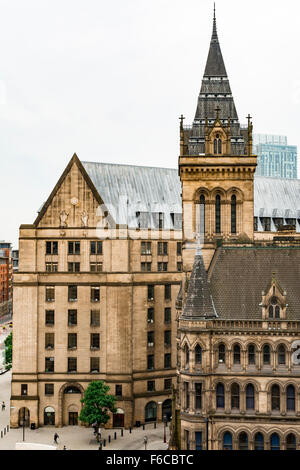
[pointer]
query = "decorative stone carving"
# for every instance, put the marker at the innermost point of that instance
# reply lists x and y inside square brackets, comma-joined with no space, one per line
[84,218]
[63,218]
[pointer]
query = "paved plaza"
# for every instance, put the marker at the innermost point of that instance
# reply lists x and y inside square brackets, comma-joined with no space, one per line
[77,437]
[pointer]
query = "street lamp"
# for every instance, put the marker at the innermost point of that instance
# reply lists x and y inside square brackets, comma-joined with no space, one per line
[23,423]
[145,442]
[165,425]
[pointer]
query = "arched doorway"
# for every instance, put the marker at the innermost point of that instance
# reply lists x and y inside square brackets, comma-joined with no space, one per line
[73,415]
[24,417]
[49,416]
[167,409]
[70,394]
[150,411]
[118,418]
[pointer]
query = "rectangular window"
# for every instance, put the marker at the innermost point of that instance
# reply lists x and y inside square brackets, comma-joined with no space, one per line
[179,248]
[51,248]
[51,267]
[72,364]
[168,292]
[95,317]
[150,361]
[74,248]
[145,267]
[73,267]
[186,394]
[151,292]
[198,439]
[95,366]
[168,315]
[167,338]
[150,339]
[49,340]
[72,340]
[266,223]
[72,293]
[198,396]
[95,341]
[145,248]
[255,224]
[162,248]
[24,389]
[168,384]
[96,267]
[95,294]
[162,266]
[150,385]
[49,364]
[50,293]
[187,439]
[49,389]
[160,220]
[49,320]
[72,317]
[167,361]
[96,248]
[150,315]
[118,390]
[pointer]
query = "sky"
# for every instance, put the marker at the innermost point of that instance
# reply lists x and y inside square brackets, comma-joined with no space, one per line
[109,80]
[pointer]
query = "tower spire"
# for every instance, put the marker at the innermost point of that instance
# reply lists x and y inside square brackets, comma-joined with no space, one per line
[214,34]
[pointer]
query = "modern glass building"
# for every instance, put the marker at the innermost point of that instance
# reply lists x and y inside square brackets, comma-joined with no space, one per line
[275,157]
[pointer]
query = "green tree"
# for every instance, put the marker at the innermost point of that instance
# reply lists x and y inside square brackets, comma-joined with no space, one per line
[96,404]
[8,351]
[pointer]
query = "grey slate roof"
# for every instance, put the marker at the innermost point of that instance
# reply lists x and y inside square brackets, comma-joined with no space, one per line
[215,92]
[239,276]
[148,189]
[198,302]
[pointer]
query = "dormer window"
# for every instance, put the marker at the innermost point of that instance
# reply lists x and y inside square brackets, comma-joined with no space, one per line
[274,309]
[217,145]
[274,302]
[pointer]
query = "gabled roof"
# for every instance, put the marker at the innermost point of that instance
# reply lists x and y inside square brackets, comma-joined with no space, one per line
[239,275]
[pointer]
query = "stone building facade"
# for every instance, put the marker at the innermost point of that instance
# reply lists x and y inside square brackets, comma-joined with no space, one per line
[239,309]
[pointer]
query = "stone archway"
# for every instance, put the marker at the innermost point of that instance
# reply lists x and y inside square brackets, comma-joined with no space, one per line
[24,415]
[61,400]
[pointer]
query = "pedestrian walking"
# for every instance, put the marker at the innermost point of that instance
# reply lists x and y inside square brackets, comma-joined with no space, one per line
[3,406]
[56,436]
[64,448]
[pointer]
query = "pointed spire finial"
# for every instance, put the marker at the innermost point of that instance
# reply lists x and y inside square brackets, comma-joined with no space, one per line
[214,34]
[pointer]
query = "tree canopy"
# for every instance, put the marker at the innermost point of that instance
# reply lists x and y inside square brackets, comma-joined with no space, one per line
[8,351]
[96,403]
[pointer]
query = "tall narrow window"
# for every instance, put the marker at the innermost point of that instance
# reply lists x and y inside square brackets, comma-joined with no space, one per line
[275,397]
[243,441]
[250,397]
[281,354]
[291,442]
[290,398]
[275,442]
[259,441]
[198,355]
[202,214]
[218,213]
[222,353]
[251,354]
[227,441]
[236,354]
[266,354]
[220,396]
[217,145]
[235,396]
[233,214]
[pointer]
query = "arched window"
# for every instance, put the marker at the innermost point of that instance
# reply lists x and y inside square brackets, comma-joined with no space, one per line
[220,396]
[198,355]
[233,214]
[243,441]
[217,145]
[275,441]
[202,214]
[274,309]
[290,398]
[235,396]
[251,354]
[277,311]
[281,354]
[266,354]
[150,411]
[186,355]
[236,354]
[222,353]
[71,389]
[218,213]
[227,441]
[291,442]
[275,397]
[259,441]
[250,397]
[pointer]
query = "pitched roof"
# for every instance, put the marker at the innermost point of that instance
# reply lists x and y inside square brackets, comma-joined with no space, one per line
[239,275]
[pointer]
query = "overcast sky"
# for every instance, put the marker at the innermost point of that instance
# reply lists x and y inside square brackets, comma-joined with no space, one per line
[109,79]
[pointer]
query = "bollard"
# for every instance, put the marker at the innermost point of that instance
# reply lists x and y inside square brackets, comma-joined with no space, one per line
[109,438]
[1,433]
[143,427]
[4,431]
[104,442]
[122,432]
[115,435]
[8,427]
[154,425]
[130,430]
